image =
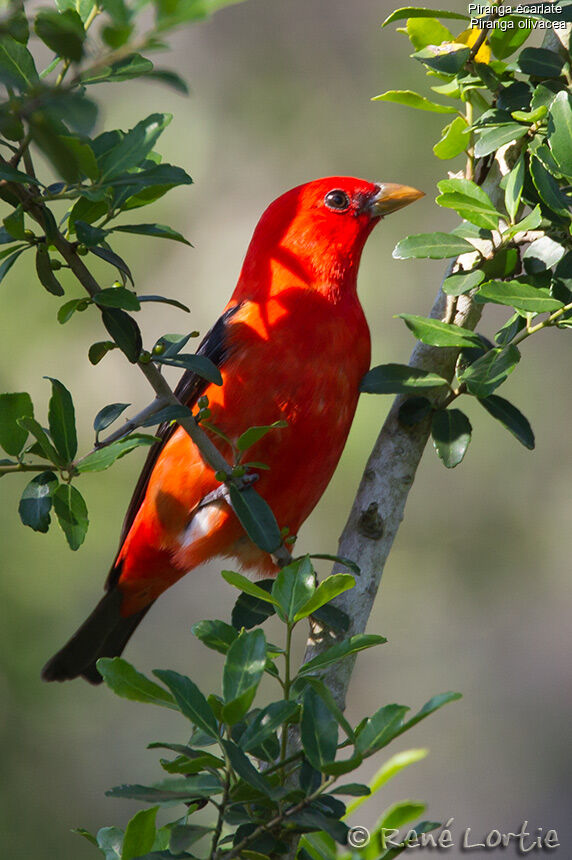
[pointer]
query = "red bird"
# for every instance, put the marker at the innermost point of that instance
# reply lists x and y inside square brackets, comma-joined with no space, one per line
[292,344]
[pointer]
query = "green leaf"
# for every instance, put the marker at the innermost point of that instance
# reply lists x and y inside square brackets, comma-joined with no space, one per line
[492,139]
[265,724]
[438,333]
[426,31]
[244,584]
[215,634]
[339,559]
[510,417]
[560,131]
[50,453]
[12,407]
[448,58]
[436,246]
[104,457]
[510,329]
[389,770]
[89,235]
[243,670]
[10,174]
[165,301]
[110,840]
[190,701]
[514,186]
[134,147]
[414,100]
[401,813]
[9,262]
[68,309]
[61,417]
[17,67]
[169,413]
[421,12]
[174,790]
[329,588]
[489,371]
[161,231]
[256,518]
[293,587]
[124,331]
[45,273]
[99,350]
[106,416]
[242,766]
[381,728]
[434,703]
[125,681]
[469,201]
[105,253]
[548,189]
[521,296]
[451,433]
[71,512]
[82,7]
[249,611]
[140,834]
[455,138]
[133,66]
[399,379]
[503,43]
[337,652]
[63,32]
[530,222]
[199,364]
[540,63]
[462,282]
[254,434]
[542,254]
[185,835]
[117,297]
[318,730]
[36,501]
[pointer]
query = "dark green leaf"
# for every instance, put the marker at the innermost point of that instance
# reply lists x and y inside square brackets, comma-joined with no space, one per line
[171,79]
[493,139]
[215,634]
[436,246]
[185,835]
[243,670]
[414,100]
[61,417]
[89,235]
[414,410]
[256,518]
[199,364]
[451,433]
[125,681]
[9,262]
[318,730]
[489,371]
[249,610]
[430,707]
[50,453]
[17,67]
[12,407]
[462,282]
[130,67]
[381,728]
[169,413]
[514,186]
[470,202]
[100,349]
[68,309]
[139,834]
[510,329]
[254,434]
[165,301]
[161,231]
[117,297]
[353,789]
[510,417]
[108,415]
[71,512]
[548,189]
[36,501]
[437,333]
[337,652]
[293,587]
[520,296]
[540,63]
[560,131]
[111,257]
[45,273]
[190,700]
[448,58]
[175,790]
[422,12]
[339,559]
[243,767]
[265,724]
[63,32]
[399,379]
[10,174]
[245,585]
[124,331]
[134,147]
[104,457]
[329,588]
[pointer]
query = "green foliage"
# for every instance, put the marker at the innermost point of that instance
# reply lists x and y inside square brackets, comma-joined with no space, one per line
[262,792]
[512,246]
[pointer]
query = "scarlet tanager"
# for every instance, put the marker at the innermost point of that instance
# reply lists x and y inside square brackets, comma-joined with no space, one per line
[291,345]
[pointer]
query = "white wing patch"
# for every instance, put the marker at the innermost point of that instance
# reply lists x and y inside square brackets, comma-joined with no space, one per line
[204,522]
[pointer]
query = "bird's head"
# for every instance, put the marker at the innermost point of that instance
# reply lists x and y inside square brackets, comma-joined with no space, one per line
[317,231]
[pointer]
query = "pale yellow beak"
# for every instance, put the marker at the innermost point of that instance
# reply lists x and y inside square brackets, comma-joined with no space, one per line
[392,197]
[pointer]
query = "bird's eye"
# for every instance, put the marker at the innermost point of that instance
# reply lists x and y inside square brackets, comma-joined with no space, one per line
[337,199]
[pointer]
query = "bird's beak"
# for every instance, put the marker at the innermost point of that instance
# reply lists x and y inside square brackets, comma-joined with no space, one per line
[391,197]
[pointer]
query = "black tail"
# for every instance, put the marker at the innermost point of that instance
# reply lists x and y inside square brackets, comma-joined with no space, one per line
[104,634]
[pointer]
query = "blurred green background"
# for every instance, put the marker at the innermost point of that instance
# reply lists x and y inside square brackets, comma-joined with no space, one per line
[476,594]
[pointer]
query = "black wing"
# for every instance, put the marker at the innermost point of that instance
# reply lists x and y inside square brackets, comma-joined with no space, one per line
[214,346]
